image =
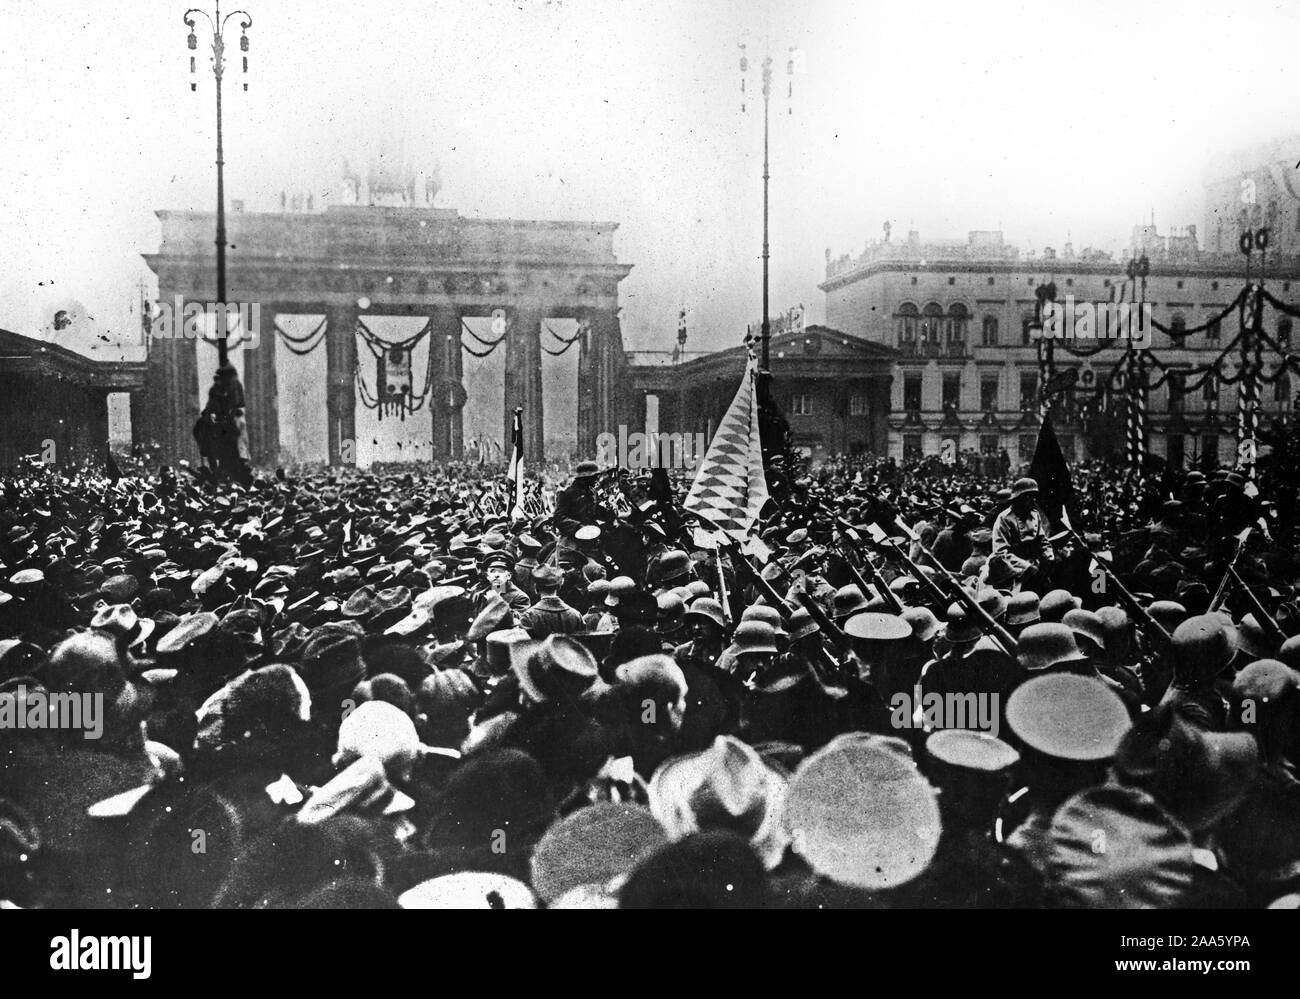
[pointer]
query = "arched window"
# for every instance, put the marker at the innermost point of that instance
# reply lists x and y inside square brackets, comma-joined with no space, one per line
[1026,323]
[990,337]
[931,323]
[906,321]
[958,317]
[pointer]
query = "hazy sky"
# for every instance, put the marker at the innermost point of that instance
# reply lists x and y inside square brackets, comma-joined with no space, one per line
[1042,118]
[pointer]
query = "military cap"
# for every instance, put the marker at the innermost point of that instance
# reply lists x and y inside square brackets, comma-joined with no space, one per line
[547,576]
[801,625]
[587,532]
[708,609]
[754,636]
[1202,648]
[1086,626]
[922,621]
[619,588]
[849,600]
[1055,603]
[671,565]
[968,750]
[872,627]
[1169,614]
[119,589]
[1068,717]
[1022,608]
[498,560]
[959,629]
[503,647]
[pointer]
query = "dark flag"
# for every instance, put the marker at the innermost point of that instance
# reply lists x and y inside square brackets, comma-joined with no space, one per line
[1049,470]
[114,473]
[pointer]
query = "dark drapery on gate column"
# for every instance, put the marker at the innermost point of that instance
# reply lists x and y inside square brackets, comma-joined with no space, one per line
[523,380]
[170,402]
[340,378]
[261,390]
[447,395]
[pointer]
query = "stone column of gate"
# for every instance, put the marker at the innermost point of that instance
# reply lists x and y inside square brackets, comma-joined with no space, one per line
[523,379]
[261,390]
[608,404]
[340,384]
[171,401]
[444,370]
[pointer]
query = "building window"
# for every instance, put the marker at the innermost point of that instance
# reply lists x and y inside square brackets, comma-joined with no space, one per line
[1176,391]
[1210,449]
[1174,450]
[1177,324]
[952,280]
[913,279]
[951,391]
[1282,388]
[931,326]
[1028,391]
[1069,282]
[1180,286]
[958,317]
[801,404]
[858,405]
[1027,444]
[911,447]
[912,392]
[1025,325]
[989,443]
[989,394]
[906,321]
[1067,446]
[1214,286]
[990,280]
[1210,391]
[1212,330]
[990,333]
[1284,332]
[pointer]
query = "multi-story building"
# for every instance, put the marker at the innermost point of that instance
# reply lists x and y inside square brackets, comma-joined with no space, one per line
[960,314]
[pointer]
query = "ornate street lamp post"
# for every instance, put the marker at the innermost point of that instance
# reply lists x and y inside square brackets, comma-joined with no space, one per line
[218,25]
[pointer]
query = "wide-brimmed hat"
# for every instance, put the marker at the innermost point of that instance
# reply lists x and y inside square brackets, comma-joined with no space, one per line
[469,890]
[727,786]
[1114,847]
[596,846]
[860,813]
[1200,777]
[558,667]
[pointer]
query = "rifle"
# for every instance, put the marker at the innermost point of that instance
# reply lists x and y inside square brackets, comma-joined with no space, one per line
[1221,593]
[877,581]
[830,666]
[1265,619]
[1130,602]
[962,595]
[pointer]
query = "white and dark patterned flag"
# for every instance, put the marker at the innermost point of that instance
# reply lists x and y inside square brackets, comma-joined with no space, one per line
[730,488]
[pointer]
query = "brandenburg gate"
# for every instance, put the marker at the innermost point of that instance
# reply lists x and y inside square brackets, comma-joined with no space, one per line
[351,262]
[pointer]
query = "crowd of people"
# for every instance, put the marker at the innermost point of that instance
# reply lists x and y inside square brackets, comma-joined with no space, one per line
[391,689]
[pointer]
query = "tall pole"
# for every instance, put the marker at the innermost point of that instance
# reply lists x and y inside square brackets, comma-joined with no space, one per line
[218,24]
[222,353]
[764,374]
